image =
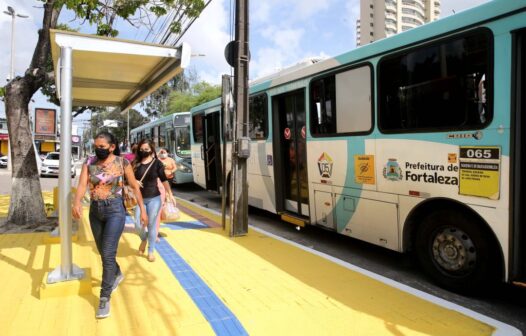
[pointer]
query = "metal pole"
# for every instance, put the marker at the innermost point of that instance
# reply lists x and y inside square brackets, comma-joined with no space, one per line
[66,271]
[226,94]
[128,146]
[240,145]
[12,73]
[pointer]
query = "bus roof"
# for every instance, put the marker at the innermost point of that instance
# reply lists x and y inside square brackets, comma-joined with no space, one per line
[159,121]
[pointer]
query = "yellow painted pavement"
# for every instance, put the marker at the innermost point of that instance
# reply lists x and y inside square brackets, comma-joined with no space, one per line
[272,287]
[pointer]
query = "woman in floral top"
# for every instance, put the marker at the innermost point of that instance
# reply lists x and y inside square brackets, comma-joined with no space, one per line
[104,175]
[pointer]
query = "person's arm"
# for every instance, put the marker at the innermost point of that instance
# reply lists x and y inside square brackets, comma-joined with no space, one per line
[174,165]
[162,176]
[81,190]
[134,184]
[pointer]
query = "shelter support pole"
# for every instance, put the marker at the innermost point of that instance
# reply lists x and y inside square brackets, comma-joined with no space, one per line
[66,271]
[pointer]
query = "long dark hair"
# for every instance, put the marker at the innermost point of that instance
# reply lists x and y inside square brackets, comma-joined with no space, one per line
[137,158]
[110,138]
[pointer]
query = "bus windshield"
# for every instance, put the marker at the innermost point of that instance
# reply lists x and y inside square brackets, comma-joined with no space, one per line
[182,139]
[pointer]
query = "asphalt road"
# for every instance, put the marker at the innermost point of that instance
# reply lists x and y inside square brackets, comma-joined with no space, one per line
[504,302]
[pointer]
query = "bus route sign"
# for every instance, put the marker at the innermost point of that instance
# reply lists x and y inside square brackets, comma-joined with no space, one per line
[480,171]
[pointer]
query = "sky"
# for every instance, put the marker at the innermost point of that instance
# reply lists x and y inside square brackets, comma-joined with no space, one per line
[282,33]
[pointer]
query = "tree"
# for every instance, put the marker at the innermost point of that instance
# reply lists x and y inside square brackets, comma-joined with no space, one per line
[200,93]
[27,205]
[157,104]
[136,120]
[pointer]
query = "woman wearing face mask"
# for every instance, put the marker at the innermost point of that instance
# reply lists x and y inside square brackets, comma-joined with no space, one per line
[104,175]
[168,162]
[147,170]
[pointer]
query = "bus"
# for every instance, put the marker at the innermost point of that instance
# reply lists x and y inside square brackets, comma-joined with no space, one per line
[173,133]
[413,143]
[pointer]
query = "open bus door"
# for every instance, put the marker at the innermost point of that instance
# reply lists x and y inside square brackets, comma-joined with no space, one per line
[211,151]
[518,160]
[289,118]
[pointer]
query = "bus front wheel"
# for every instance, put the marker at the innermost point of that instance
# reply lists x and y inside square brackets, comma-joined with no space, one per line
[455,251]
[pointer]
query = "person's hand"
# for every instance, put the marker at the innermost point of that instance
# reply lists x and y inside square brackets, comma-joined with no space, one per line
[171,199]
[77,211]
[144,218]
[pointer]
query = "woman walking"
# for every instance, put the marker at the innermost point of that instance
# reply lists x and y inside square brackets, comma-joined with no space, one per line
[147,170]
[104,175]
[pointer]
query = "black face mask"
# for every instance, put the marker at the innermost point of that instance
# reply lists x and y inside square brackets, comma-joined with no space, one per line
[102,153]
[144,154]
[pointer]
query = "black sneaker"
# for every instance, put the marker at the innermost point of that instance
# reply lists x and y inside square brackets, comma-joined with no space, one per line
[104,308]
[117,281]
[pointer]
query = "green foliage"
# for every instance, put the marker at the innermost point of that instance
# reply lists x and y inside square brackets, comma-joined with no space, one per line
[106,30]
[2,92]
[200,93]
[97,122]
[102,14]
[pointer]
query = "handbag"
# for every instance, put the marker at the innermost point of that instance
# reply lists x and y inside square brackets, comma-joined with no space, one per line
[130,201]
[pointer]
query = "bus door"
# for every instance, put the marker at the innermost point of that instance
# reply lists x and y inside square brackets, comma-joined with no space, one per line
[211,151]
[518,159]
[290,153]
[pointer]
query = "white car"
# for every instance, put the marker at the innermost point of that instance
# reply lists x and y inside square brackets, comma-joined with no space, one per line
[3,162]
[50,165]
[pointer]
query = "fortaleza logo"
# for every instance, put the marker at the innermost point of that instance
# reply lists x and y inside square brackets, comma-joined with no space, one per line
[325,165]
[432,173]
[392,170]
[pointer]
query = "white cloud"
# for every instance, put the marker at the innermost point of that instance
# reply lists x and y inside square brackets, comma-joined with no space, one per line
[26,35]
[260,11]
[209,35]
[448,6]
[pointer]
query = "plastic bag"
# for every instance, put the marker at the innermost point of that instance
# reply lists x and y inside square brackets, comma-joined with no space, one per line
[170,212]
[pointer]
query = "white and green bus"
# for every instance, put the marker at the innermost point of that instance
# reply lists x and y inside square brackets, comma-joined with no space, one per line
[413,143]
[171,132]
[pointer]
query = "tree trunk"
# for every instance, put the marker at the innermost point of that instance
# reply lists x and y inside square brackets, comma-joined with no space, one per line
[27,205]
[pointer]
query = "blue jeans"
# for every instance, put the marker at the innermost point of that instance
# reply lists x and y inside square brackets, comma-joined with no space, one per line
[153,209]
[107,219]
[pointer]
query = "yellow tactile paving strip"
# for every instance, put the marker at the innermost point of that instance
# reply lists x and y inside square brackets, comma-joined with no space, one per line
[149,301]
[275,288]
[272,287]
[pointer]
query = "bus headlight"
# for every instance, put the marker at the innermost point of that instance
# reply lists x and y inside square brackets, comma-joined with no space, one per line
[184,169]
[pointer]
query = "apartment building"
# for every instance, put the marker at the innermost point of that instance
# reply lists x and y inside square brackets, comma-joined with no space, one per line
[383,18]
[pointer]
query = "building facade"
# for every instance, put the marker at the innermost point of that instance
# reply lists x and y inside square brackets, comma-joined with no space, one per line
[383,18]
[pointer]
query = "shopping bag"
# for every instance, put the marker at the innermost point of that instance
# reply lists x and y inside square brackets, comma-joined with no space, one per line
[170,212]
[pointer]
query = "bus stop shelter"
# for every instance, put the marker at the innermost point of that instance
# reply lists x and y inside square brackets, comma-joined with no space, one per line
[101,71]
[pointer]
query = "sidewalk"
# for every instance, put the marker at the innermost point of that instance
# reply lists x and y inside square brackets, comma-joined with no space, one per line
[205,283]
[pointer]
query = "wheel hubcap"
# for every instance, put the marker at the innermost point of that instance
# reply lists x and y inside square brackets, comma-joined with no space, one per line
[454,250]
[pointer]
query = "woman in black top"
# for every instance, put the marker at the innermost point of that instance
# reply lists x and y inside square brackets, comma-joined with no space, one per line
[147,170]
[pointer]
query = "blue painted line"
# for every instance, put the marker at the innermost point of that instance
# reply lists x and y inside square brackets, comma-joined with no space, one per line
[185,225]
[221,319]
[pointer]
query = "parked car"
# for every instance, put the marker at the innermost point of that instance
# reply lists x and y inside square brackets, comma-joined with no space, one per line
[50,165]
[3,162]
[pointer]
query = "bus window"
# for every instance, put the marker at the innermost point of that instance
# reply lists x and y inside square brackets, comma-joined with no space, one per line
[182,138]
[197,124]
[436,87]
[341,103]
[258,117]
[162,136]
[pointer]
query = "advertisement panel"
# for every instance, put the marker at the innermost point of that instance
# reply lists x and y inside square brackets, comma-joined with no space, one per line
[45,121]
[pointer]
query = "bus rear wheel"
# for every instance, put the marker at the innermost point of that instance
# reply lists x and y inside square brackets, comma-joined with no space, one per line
[456,251]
